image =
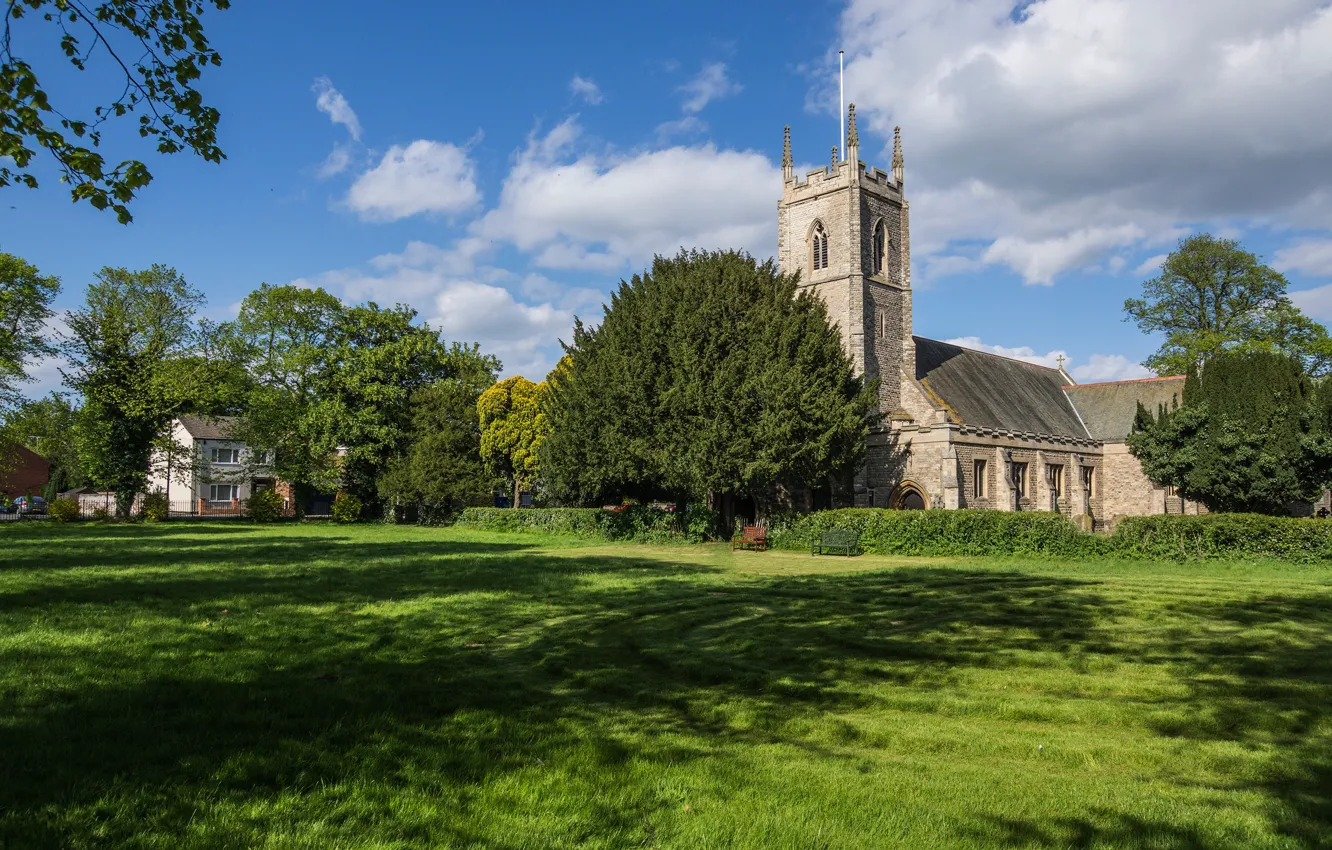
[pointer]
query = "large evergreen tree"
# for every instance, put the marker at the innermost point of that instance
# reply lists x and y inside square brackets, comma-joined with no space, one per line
[1252,435]
[709,374]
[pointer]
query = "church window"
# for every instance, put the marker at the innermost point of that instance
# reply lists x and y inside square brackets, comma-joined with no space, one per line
[979,490]
[1089,480]
[819,248]
[880,247]
[1054,474]
[1020,479]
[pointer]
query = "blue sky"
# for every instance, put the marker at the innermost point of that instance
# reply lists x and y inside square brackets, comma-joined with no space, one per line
[501,166]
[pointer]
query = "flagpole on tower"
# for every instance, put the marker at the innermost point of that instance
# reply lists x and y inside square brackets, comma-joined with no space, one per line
[841,101]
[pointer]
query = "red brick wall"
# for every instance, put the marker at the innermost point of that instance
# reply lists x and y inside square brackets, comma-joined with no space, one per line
[24,472]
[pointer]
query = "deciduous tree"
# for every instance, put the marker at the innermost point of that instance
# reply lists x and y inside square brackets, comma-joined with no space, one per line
[1213,296]
[151,52]
[25,305]
[514,425]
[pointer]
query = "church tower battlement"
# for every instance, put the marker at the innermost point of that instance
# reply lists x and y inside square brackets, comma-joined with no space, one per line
[845,229]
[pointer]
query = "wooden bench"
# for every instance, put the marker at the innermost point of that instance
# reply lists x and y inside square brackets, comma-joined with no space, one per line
[752,537]
[837,540]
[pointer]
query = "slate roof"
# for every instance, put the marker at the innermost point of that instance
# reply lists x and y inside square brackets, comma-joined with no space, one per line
[998,392]
[208,428]
[1108,408]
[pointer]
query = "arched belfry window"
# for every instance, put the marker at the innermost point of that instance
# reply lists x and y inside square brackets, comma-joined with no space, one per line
[880,247]
[819,248]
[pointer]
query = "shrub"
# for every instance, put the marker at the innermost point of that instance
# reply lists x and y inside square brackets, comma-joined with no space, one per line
[346,508]
[964,532]
[264,506]
[63,510]
[155,506]
[101,513]
[639,523]
[1223,536]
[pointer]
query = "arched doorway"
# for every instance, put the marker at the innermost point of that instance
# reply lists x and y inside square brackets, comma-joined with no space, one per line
[909,497]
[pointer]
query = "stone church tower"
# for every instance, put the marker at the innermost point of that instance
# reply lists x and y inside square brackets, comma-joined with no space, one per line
[845,230]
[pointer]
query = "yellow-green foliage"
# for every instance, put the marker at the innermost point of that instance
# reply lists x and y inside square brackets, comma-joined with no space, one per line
[264,506]
[513,427]
[63,510]
[155,506]
[346,508]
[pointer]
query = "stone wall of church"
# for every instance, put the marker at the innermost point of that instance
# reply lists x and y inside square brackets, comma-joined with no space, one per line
[883,320]
[1127,491]
[872,210]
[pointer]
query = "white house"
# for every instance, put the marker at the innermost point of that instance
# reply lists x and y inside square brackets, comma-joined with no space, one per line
[217,474]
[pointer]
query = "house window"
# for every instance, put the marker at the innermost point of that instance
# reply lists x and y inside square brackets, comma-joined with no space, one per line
[1089,480]
[263,457]
[1054,475]
[1020,479]
[979,490]
[223,492]
[819,248]
[225,455]
[880,247]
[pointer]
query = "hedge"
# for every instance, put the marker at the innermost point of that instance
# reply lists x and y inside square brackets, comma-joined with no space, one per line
[641,524]
[888,532]
[963,532]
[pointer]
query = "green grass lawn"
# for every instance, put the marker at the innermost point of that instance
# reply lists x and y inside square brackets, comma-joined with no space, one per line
[312,686]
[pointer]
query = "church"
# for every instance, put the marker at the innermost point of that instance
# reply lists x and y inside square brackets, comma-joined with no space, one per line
[961,428]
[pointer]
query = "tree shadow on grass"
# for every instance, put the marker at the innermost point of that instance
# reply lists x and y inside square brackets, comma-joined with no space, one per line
[579,666]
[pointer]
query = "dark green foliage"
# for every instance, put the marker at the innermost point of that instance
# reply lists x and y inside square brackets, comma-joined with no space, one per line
[25,305]
[152,53]
[1213,296]
[326,377]
[1251,436]
[708,374]
[347,508]
[636,523]
[134,355]
[264,506]
[964,532]
[155,507]
[441,469]
[63,510]
[1231,536]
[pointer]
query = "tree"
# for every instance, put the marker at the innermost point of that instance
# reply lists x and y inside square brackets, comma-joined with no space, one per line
[25,305]
[157,47]
[331,386]
[47,426]
[710,374]
[129,350]
[1252,435]
[1214,296]
[441,467]
[513,426]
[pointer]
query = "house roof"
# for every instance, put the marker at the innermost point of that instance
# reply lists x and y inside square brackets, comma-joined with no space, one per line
[998,392]
[209,427]
[1109,408]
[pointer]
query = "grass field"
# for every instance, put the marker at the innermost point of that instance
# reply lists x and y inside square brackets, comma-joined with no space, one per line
[183,686]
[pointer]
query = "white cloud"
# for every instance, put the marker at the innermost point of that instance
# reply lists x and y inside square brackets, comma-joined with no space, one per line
[606,211]
[330,101]
[589,91]
[458,295]
[710,84]
[1099,367]
[1311,257]
[1151,266]
[1109,367]
[423,177]
[1080,129]
[688,125]
[339,159]
[1316,302]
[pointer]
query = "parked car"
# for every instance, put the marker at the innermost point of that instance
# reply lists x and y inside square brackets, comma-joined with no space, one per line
[29,505]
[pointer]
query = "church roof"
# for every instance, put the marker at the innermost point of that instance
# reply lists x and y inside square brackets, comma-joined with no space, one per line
[1108,408]
[997,392]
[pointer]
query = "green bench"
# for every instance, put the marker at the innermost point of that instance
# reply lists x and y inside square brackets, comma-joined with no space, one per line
[838,540]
